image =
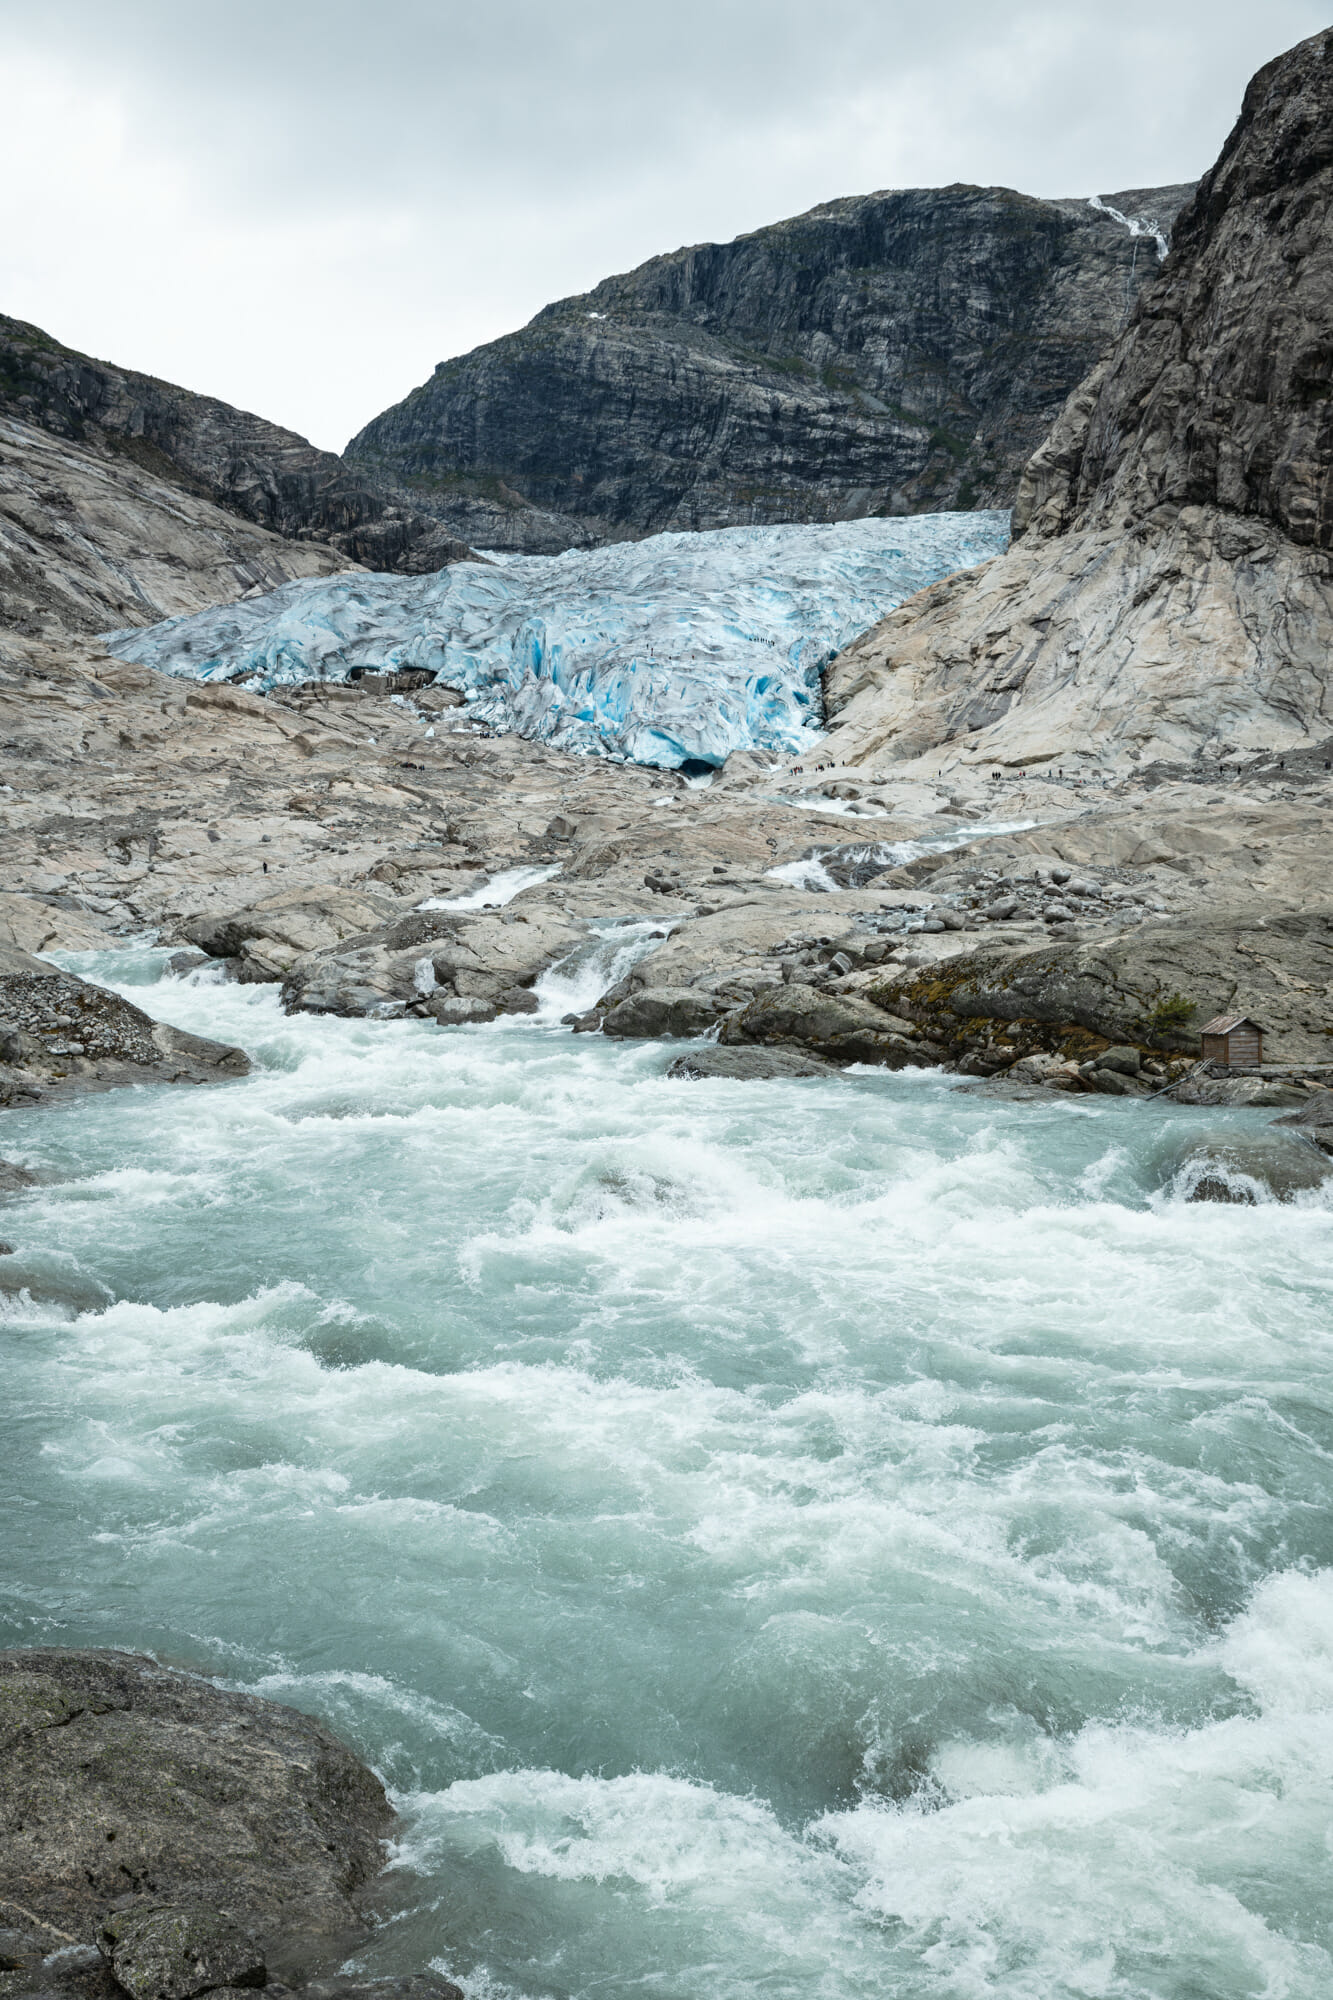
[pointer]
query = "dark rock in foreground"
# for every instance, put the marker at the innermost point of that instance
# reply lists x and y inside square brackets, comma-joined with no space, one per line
[121,1779]
[59,1035]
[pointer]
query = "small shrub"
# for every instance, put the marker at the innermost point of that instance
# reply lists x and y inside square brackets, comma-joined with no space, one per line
[1173,1012]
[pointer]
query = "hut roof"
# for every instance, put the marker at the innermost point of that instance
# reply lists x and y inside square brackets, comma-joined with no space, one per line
[1224,1024]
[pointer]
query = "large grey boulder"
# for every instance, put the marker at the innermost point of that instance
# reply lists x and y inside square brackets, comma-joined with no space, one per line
[119,1777]
[838,1027]
[663,1010]
[1261,1093]
[430,954]
[267,938]
[1244,1167]
[1314,1120]
[748,1065]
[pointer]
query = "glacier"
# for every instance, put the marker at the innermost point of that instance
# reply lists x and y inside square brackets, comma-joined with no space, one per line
[677,649]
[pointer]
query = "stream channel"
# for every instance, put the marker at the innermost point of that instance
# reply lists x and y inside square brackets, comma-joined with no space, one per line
[834,1539]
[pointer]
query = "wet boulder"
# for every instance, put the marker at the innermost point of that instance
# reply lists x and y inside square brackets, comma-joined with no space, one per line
[118,1776]
[656,1011]
[60,1035]
[749,1065]
[1246,1168]
[840,1028]
[50,1279]
[452,1011]
[1314,1120]
[1256,1092]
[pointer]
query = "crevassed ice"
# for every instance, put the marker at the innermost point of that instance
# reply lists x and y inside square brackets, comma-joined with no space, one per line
[680,647]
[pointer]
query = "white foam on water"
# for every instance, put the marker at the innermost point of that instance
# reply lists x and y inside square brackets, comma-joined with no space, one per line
[836,1536]
[1127,1856]
[807,874]
[811,873]
[496,891]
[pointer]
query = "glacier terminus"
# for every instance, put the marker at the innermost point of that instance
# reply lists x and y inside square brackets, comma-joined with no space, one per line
[675,649]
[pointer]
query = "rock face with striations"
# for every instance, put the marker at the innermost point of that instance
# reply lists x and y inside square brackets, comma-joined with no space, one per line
[891,353]
[155,446]
[1171,582]
[92,539]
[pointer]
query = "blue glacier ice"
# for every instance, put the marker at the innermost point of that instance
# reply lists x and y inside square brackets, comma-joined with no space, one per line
[679,647]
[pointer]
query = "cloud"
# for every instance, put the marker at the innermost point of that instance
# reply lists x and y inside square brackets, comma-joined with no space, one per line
[302,207]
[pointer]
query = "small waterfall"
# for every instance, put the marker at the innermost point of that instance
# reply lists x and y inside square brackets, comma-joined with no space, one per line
[809,873]
[1137,225]
[578,982]
[495,891]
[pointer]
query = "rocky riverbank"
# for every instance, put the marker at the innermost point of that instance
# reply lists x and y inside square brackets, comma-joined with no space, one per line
[342,844]
[163,1839]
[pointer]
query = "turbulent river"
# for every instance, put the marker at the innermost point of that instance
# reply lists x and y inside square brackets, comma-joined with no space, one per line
[847,1539]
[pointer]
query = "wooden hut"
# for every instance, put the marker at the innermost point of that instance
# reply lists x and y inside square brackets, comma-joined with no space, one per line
[1233,1039]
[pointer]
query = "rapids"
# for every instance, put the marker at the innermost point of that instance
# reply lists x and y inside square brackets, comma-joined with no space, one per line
[843,1539]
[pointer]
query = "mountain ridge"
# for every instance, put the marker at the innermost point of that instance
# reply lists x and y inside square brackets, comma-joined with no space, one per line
[889,353]
[801,426]
[1170,588]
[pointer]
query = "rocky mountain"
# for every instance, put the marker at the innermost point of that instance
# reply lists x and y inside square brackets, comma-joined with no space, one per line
[1170,589]
[202,449]
[893,353]
[93,539]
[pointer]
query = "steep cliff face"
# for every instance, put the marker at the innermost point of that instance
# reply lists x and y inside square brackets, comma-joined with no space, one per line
[1170,591]
[255,468]
[1220,393]
[894,353]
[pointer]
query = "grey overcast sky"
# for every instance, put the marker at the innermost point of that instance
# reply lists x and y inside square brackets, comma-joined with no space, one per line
[303,205]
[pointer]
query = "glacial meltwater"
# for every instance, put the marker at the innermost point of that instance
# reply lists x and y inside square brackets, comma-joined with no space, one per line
[848,1539]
